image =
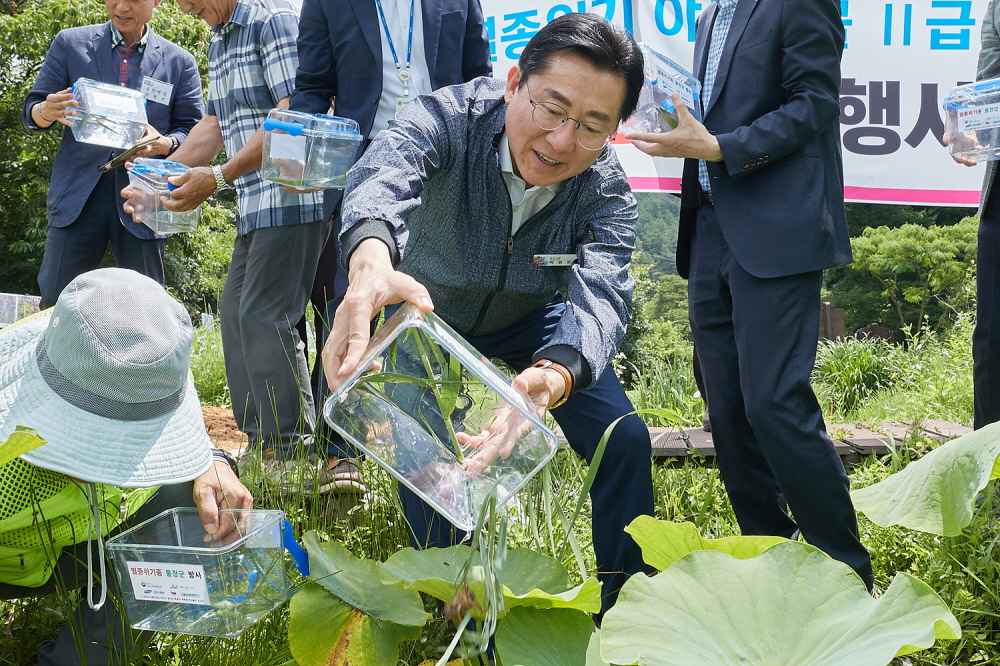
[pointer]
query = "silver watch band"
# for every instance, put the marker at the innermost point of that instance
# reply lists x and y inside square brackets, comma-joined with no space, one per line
[220,180]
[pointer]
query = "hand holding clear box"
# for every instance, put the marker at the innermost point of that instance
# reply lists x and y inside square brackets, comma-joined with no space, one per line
[416,414]
[308,151]
[148,177]
[972,120]
[664,77]
[107,115]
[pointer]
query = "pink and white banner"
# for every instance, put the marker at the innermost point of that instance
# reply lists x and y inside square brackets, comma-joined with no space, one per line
[901,59]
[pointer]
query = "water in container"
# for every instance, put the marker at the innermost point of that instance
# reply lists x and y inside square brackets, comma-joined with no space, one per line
[655,111]
[174,579]
[108,115]
[972,127]
[304,150]
[149,177]
[422,413]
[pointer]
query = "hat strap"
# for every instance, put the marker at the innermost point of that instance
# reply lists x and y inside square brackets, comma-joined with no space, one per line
[101,405]
[96,606]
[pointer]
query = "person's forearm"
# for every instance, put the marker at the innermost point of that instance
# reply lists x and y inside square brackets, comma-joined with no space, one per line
[249,157]
[202,144]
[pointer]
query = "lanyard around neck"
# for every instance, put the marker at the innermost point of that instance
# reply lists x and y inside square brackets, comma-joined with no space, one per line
[392,46]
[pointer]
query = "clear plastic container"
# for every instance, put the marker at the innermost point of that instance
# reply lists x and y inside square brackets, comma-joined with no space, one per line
[308,150]
[108,115]
[973,120]
[412,415]
[655,111]
[149,177]
[173,579]
[17,306]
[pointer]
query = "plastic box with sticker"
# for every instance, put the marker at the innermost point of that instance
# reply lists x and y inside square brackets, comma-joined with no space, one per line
[175,578]
[309,151]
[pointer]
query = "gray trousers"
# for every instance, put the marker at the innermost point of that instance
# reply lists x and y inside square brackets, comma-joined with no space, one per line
[97,638]
[269,282]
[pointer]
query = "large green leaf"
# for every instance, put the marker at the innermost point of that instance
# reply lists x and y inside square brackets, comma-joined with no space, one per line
[535,637]
[325,631]
[663,542]
[790,606]
[594,650]
[18,443]
[529,579]
[361,584]
[937,493]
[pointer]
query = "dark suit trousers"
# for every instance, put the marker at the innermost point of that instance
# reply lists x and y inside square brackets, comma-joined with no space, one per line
[623,488]
[986,336]
[80,247]
[756,341]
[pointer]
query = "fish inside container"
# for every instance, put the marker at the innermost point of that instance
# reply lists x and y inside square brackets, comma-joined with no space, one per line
[419,405]
[972,124]
[107,115]
[655,110]
[149,177]
[309,151]
[175,578]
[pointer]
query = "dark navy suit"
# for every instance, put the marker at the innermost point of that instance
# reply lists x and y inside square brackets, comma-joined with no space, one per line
[340,58]
[84,208]
[754,253]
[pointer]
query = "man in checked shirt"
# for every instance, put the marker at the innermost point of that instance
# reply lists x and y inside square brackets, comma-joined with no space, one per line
[252,63]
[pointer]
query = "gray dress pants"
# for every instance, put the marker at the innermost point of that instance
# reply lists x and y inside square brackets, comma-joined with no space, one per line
[269,282]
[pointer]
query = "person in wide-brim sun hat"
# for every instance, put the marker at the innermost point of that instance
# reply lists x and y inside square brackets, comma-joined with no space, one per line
[104,379]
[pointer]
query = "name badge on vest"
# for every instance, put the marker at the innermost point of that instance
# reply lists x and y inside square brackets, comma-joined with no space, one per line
[156,91]
[553,260]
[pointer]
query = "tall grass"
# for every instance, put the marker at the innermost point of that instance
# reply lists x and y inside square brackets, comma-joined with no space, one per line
[928,377]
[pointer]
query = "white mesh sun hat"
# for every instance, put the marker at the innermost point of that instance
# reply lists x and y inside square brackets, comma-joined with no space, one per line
[104,377]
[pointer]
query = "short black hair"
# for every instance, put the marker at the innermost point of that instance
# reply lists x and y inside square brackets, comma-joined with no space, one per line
[600,43]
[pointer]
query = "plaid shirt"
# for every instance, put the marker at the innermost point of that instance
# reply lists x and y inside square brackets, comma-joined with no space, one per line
[251,66]
[720,31]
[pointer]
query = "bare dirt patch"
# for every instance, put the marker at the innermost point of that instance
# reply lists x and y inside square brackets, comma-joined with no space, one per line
[222,429]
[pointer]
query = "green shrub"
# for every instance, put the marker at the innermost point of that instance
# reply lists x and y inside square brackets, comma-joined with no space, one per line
[906,276]
[208,366]
[851,371]
[196,263]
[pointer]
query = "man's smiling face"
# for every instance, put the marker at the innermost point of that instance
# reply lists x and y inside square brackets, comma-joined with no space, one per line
[570,85]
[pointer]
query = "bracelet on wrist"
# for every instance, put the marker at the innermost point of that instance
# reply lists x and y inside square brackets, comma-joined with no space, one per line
[567,378]
[221,455]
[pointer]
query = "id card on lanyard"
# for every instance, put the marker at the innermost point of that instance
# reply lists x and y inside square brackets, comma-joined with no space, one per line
[402,69]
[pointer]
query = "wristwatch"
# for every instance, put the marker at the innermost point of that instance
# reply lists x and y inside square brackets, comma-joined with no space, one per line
[220,180]
[223,456]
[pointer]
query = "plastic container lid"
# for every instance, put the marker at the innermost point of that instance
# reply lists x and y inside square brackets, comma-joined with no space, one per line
[105,99]
[297,123]
[156,171]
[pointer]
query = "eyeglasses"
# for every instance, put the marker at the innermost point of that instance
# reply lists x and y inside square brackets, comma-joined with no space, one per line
[550,117]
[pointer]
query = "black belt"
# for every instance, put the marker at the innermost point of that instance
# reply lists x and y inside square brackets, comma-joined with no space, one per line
[705,198]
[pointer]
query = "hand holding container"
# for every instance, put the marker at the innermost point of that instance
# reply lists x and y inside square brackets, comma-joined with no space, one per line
[107,115]
[308,151]
[664,77]
[423,413]
[149,178]
[972,125]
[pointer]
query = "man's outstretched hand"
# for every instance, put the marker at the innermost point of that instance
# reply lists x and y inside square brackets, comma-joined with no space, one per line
[374,284]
